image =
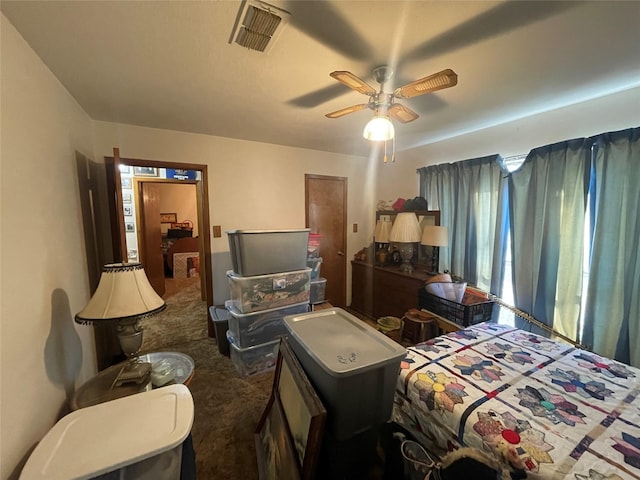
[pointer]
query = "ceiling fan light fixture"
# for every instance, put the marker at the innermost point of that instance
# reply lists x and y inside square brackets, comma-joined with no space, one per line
[379,129]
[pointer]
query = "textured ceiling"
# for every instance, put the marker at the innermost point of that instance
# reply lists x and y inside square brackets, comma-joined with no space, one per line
[171,65]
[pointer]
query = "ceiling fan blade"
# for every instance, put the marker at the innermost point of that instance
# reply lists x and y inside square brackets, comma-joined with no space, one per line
[323,22]
[402,113]
[498,20]
[344,111]
[353,82]
[444,79]
[318,97]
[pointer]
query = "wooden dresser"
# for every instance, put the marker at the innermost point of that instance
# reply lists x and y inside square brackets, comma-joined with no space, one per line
[379,291]
[362,287]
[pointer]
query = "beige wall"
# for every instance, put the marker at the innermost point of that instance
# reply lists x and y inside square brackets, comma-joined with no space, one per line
[44,280]
[181,200]
[609,113]
[251,185]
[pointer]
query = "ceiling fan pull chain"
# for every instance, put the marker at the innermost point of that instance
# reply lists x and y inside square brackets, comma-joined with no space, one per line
[385,152]
[393,150]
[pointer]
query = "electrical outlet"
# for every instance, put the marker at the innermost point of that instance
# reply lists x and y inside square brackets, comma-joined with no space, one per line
[217,231]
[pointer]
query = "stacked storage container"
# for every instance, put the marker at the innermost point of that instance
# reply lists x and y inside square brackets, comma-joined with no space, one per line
[270,280]
[314,261]
[354,369]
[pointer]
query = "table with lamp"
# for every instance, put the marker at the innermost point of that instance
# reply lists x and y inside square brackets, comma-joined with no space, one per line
[389,288]
[124,296]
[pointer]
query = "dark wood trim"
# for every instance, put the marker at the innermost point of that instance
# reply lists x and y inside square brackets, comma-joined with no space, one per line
[206,239]
[116,212]
[420,213]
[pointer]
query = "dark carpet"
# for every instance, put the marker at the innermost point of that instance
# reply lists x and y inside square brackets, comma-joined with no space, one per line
[227,406]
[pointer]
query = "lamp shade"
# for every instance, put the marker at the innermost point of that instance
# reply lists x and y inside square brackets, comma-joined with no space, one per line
[435,236]
[379,128]
[123,293]
[406,228]
[382,231]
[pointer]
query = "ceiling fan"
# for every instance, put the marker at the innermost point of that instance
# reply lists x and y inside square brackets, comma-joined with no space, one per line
[384,104]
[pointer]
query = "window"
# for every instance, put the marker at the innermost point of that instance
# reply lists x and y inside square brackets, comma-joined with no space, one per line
[506,316]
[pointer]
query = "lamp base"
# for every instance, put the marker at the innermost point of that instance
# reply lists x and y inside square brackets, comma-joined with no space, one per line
[133,372]
[406,252]
[381,256]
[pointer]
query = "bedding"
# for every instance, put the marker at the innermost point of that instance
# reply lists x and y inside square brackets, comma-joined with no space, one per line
[563,412]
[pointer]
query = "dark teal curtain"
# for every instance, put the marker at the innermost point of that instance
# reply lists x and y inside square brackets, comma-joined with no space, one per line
[568,202]
[467,193]
[547,201]
[612,311]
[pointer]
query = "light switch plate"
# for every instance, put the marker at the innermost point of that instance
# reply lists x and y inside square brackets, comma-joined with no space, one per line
[217,231]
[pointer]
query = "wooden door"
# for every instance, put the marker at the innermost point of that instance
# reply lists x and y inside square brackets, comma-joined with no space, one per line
[326,214]
[92,183]
[150,235]
[115,206]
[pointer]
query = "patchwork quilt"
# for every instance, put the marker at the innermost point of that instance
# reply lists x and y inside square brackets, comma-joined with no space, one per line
[564,412]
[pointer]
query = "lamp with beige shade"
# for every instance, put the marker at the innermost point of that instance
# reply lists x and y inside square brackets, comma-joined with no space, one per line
[405,232]
[381,238]
[435,236]
[124,296]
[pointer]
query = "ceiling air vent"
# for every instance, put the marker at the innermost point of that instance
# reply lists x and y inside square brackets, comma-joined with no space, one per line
[258,25]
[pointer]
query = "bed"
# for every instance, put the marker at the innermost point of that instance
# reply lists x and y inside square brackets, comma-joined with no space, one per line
[565,412]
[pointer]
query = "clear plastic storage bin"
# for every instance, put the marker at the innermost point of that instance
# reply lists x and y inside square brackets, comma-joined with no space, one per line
[353,367]
[255,359]
[313,249]
[262,292]
[317,289]
[260,327]
[314,263]
[138,437]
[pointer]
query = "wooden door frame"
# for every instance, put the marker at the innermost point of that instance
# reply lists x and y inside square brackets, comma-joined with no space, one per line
[345,185]
[202,194]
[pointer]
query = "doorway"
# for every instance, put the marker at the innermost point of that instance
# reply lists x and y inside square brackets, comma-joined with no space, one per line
[326,214]
[168,238]
[149,172]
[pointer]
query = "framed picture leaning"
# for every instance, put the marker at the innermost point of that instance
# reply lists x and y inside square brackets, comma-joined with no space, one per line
[274,448]
[303,409]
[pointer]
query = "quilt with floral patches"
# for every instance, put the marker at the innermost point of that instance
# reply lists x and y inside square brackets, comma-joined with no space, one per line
[561,411]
